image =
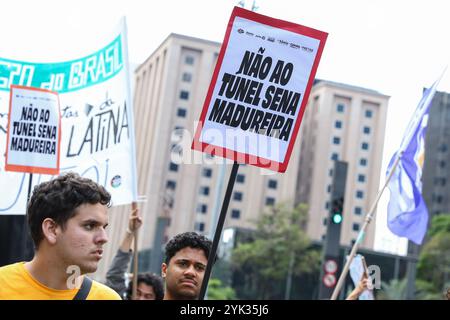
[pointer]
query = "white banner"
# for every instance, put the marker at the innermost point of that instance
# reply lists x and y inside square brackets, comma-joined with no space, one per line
[97,138]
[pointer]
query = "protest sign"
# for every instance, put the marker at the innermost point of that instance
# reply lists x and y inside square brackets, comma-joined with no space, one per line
[259,90]
[256,99]
[34,131]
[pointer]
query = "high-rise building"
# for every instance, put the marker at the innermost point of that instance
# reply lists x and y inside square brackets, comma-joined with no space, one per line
[346,123]
[436,170]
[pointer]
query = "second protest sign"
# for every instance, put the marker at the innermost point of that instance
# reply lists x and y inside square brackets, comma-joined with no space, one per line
[34,131]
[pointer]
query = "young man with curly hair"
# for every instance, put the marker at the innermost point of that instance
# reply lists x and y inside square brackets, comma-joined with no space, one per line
[184,266]
[67,217]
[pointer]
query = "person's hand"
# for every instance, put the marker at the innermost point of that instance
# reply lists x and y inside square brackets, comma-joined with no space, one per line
[135,221]
[363,284]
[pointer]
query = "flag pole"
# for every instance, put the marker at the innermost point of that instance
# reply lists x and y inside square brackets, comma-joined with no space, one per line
[369,217]
[135,256]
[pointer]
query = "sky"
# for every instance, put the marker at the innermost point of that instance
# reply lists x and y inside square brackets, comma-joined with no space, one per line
[394,47]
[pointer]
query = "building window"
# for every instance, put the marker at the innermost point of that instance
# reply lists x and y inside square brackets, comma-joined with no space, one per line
[359,194]
[327,205]
[363,162]
[338,124]
[189,60]
[207,172]
[366,130]
[202,208]
[240,178]
[334,156]
[184,95]
[272,184]
[365,146]
[330,173]
[200,226]
[336,140]
[356,227]
[173,167]
[204,190]
[237,196]
[442,147]
[442,164]
[361,178]
[270,201]
[324,221]
[340,107]
[329,188]
[181,112]
[235,214]
[368,113]
[358,211]
[187,77]
[171,185]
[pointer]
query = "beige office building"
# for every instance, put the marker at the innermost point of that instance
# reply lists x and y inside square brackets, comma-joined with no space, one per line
[189,186]
[345,123]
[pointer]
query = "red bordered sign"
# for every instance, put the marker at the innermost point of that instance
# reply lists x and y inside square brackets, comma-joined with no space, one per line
[34,131]
[259,90]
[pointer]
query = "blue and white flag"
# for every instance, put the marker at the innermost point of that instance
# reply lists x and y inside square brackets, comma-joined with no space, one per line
[407,213]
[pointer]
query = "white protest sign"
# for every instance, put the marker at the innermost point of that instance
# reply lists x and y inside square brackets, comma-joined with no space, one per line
[97,136]
[34,131]
[259,90]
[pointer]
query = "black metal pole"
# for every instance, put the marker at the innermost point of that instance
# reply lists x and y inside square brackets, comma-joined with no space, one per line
[30,183]
[217,234]
[27,250]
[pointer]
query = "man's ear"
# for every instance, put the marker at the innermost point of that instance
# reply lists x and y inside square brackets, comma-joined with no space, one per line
[50,230]
[163,270]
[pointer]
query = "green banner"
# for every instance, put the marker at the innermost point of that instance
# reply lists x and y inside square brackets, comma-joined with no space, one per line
[65,76]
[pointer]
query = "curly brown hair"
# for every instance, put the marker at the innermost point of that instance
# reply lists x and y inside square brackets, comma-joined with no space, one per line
[59,198]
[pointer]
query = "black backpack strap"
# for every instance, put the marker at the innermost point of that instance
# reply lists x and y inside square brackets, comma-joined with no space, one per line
[83,292]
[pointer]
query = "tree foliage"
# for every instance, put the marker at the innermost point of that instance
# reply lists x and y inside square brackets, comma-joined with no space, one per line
[280,247]
[217,291]
[434,260]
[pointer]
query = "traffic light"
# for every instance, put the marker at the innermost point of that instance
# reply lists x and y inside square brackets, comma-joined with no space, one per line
[333,236]
[337,207]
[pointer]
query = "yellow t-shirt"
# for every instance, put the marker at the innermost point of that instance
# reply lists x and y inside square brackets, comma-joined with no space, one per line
[16,283]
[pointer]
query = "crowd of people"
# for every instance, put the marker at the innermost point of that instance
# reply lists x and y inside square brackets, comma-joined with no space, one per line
[67,218]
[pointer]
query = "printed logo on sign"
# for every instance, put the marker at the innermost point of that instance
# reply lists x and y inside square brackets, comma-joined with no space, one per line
[240,30]
[116,181]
